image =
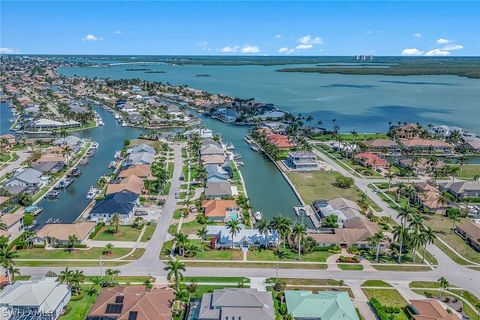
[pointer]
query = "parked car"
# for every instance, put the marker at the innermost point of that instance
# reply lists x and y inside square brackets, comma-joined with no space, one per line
[141,213]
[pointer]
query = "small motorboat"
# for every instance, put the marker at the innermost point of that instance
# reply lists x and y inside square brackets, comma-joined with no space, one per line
[84,161]
[117,155]
[92,193]
[33,210]
[75,172]
[90,153]
[230,146]
[258,215]
[53,194]
[94,145]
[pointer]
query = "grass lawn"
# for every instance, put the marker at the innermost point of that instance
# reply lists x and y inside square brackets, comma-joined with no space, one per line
[443,227]
[375,283]
[22,278]
[207,254]
[93,253]
[78,307]
[320,185]
[191,227]
[207,289]
[292,265]
[216,279]
[349,136]
[466,295]
[350,266]
[401,268]
[149,231]
[124,279]
[388,297]
[300,281]
[286,255]
[125,233]
[318,289]
[61,263]
[468,171]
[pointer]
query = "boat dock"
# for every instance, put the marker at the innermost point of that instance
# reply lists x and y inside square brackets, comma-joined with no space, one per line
[308,212]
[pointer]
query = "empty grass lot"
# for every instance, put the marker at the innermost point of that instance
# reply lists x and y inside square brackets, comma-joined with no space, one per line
[93,253]
[125,233]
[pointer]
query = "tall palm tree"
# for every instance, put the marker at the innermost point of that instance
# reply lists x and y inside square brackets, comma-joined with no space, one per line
[299,232]
[6,260]
[415,239]
[453,215]
[400,234]
[72,241]
[389,175]
[428,236]
[282,225]
[175,269]
[14,272]
[234,227]
[444,284]
[77,278]
[202,234]
[180,240]
[416,223]
[405,213]
[264,229]
[376,241]
[66,276]
[115,221]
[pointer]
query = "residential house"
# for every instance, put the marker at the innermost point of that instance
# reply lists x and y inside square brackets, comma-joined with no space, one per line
[221,210]
[49,163]
[216,190]
[210,149]
[7,140]
[343,208]
[216,173]
[203,133]
[29,178]
[430,309]
[139,158]
[429,197]
[142,171]
[14,225]
[68,140]
[141,148]
[470,232]
[57,234]
[426,145]
[281,141]
[131,183]
[133,303]
[422,166]
[236,303]
[356,231]
[381,145]
[472,143]
[444,131]
[462,189]
[215,159]
[222,238]
[227,115]
[41,299]
[124,203]
[406,131]
[324,305]
[301,161]
[371,160]
[48,124]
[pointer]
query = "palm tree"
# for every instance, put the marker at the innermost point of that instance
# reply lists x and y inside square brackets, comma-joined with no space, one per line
[175,269]
[180,240]
[77,277]
[202,234]
[415,238]
[444,284]
[428,236]
[453,215]
[405,213]
[282,225]
[6,259]
[115,221]
[72,241]
[400,234]
[234,227]
[264,229]
[66,276]
[453,172]
[13,272]
[299,232]
[108,249]
[376,241]
[112,274]
[389,175]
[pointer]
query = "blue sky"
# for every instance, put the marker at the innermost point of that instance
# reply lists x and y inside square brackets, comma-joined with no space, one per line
[234,28]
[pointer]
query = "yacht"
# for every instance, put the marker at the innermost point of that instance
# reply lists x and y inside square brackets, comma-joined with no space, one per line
[92,193]
[52,194]
[94,145]
[258,215]
[75,172]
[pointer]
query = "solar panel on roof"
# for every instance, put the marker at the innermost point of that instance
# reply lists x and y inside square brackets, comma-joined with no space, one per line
[133,315]
[114,308]
[119,299]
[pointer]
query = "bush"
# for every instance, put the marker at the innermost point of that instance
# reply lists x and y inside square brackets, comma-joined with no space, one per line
[384,312]
[96,230]
[343,182]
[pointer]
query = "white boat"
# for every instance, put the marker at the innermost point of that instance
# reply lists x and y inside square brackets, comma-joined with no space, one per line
[117,154]
[94,145]
[53,194]
[258,215]
[230,146]
[124,124]
[92,193]
[117,116]
[254,148]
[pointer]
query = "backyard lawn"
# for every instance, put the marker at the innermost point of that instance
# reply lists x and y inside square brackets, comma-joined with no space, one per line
[388,297]
[125,233]
[78,307]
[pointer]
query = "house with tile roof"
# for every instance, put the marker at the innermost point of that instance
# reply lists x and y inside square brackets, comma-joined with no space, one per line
[140,170]
[131,183]
[371,160]
[470,232]
[14,225]
[324,305]
[430,309]
[461,189]
[220,210]
[56,234]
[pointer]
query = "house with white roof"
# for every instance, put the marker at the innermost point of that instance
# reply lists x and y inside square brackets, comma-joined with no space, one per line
[42,299]
[222,238]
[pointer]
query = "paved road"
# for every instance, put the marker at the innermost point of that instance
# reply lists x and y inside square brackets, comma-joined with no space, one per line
[14,165]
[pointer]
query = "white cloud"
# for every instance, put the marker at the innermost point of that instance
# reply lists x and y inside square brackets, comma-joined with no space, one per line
[417,35]
[229,49]
[91,37]
[8,50]
[278,36]
[451,47]
[304,46]
[117,32]
[308,39]
[286,50]
[443,41]
[411,52]
[437,52]
[250,49]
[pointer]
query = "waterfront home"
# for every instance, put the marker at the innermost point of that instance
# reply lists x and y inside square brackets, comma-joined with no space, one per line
[380,145]
[227,115]
[49,124]
[356,231]
[217,190]
[472,144]
[444,131]
[343,208]
[422,166]
[13,225]
[222,238]
[68,140]
[301,161]
[235,303]
[281,141]
[142,171]
[57,234]
[406,131]
[132,183]
[29,178]
[462,189]
[215,159]
[49,163]
[216,173]
[7,140]
[141,148]
[430,309]
[426,145]
[209,149]
[221,210]
[324,305]
[124,203]
[203,133]
[346,147]
[371,160]
[41,299]
[133,303]
[272,115]
[139,158]
[470,232]
[429,197]
[276,127]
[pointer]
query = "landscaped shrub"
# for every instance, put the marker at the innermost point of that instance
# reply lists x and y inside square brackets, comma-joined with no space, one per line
[384,312]
[96,230]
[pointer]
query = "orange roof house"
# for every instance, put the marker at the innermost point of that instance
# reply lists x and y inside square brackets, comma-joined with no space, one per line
[132,183]
[368,159]
[219,209]
[139,170]
[430,309]
[279,140]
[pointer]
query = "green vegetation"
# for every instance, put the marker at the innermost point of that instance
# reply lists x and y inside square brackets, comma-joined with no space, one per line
[350,266]
[439,295]
[286,255]
[125,233]
[387,312]
[349,136]
[79,306]
[375,283]
[300,281]
[269,265]
[93,253]
[387,303]
[217,279]
[149,231]
[401,268]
